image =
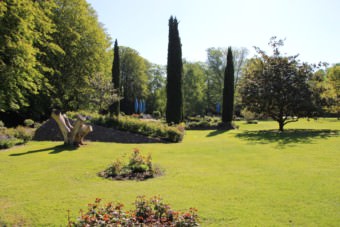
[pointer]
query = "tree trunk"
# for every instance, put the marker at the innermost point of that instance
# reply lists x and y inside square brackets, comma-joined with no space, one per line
[73,134]
[281,125]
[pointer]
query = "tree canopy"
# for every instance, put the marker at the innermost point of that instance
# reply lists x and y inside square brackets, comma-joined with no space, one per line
[194,88]
[134,78]
[49,52]
[277,86]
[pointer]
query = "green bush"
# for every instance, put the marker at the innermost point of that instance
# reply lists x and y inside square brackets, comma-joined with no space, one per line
[10,142]
[29,123]
[205,122]
[156,114]
[147,212]
[174,135]
[249,116]
[10,137]
[26,134]
[2,125]
[146,128]
[37,125]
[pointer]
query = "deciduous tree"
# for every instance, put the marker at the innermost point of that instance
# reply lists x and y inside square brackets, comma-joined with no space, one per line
[277,86]
[333,91]
[133,78]
[156,99]
[86,52]
[194,88]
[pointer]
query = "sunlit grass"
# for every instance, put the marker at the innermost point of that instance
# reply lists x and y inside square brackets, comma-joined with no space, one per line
[253,176]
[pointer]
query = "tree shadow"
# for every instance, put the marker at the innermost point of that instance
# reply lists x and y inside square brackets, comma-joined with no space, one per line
[54,150]
[217,132]
[288,137]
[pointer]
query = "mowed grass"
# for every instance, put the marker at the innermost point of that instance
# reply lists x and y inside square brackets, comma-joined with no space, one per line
[252,176]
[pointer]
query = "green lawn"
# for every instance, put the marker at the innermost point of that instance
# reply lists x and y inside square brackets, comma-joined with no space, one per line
[244,177]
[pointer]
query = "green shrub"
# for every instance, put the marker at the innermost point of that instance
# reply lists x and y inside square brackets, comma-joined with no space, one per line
[26,134]
[147,212]
[146,128]
[249,116]
[156,114]
[205,122]
[10,142]
[174,135]
[36,125]
[29,123]
[21,133]
[2,125]
[135,125]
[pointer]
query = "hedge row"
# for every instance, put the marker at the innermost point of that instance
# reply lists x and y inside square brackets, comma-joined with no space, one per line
[154,129]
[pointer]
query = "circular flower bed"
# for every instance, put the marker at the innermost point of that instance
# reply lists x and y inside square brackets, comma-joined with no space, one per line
[138,167]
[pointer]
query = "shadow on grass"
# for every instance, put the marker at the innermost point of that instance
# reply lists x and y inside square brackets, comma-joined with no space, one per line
[287,137]
[54,150]
[222,128]
[217,132]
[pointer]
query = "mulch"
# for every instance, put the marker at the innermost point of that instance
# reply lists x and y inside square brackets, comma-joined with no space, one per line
[49,131]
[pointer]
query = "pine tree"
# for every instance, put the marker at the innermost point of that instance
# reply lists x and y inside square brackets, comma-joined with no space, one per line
[174,105]
[228,91]
[115,107]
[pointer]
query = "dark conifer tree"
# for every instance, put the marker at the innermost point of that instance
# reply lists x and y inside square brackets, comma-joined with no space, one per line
[174,105]
[228,91]
[115,107]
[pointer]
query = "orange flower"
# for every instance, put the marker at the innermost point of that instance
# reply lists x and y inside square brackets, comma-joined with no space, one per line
[106,217]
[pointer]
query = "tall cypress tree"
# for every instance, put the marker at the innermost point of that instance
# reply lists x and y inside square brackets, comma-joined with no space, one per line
[174,105]
[115,108]
[228,91]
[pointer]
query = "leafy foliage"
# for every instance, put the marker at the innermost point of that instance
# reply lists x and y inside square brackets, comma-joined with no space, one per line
[10,137]
[137,167]
[155,129]
[2,124]
[115,108]
[205,122]
[194,88]
[249,116]
[29,123]
[147,212]
[228,90]
[174,90]
[152,129]
[101,94]
[216,63]
[133,78]
[156,99]
[85,53]
[333,89]
[25,36]
[277,86]
[49,52]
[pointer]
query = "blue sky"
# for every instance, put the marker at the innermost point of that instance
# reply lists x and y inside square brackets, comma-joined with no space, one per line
[311,27]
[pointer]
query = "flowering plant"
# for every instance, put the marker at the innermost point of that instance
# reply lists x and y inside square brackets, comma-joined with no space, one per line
[147,212]
[137,167]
